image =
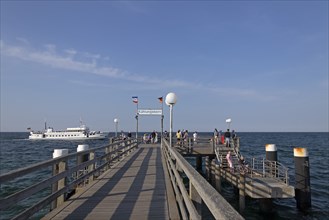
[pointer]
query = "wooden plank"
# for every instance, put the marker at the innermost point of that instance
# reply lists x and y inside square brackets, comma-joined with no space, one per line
[134,188]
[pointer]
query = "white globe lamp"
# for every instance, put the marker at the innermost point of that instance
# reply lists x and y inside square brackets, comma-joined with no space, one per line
[116,121]
[171,100]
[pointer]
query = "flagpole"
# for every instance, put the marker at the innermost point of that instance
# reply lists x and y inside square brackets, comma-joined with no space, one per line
[161,121]
[137,122]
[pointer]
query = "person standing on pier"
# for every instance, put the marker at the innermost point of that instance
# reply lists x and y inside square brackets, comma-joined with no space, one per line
[185,137]
[216,136]
[179,136]
[156,137]
[195,136]
[153,134]
[227,137]
[229,161]
[233,134]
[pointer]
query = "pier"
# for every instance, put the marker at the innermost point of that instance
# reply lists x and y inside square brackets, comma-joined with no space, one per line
[135,188]
[130,180]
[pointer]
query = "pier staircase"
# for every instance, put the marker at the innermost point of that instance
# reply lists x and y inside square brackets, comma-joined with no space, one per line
[264,178]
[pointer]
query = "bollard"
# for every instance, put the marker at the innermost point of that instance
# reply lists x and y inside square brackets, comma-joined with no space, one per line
[302,178]
[271,155]
[82,157]
[266,204]
[58,168]
[271,152]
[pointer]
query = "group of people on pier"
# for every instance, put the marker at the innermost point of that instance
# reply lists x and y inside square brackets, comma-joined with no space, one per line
[151,138]
[181,136]
[224,138]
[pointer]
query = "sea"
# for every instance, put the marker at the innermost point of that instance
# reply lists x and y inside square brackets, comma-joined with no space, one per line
[17,151]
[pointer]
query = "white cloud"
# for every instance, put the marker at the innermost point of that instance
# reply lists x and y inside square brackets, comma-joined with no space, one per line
[68,60]
[23,40]
[71,52]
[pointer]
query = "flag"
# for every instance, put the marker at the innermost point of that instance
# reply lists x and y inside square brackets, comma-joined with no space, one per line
[135,99]
[160,99]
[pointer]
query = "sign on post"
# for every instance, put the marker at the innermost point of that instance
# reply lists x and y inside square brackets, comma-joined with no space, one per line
[150,111]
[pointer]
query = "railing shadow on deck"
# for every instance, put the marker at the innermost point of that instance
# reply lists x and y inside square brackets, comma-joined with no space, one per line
[73,174]
[85,208]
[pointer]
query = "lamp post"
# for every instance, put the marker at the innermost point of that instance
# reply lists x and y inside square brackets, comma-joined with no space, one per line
[228,121]
[136,125]
[171,100]
[116,121]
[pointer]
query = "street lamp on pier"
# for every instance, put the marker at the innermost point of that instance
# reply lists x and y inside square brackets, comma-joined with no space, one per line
[229,121]
[171,100]
[116,121]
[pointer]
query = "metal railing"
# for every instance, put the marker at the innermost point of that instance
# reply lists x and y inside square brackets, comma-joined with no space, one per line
[272,169]
[67,179]
[259,167]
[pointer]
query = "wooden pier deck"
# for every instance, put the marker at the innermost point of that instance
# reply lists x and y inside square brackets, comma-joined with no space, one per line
[134,189]
[129,180]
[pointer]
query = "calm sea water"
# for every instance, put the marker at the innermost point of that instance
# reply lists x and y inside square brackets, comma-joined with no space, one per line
[16,151]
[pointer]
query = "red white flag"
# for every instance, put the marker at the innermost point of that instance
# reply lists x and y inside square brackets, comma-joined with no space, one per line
[135,99]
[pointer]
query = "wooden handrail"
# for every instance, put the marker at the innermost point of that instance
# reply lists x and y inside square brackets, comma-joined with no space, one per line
[217,205]
[103,160]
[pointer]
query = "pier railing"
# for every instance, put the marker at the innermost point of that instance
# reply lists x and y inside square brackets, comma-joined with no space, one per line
[259,167]
[198,192]
[68,177]
[272,169]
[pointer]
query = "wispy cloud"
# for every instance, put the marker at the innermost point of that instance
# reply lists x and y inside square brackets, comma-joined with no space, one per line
[84,62]
[68,60]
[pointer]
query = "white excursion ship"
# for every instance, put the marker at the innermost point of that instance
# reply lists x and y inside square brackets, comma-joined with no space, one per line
[77,133]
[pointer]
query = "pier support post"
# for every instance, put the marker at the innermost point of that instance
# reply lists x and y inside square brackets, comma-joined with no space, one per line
[58,168]
[218,178]
[207,164]
[198,162]
[266,205]
[91,166]
[302,178]
[213,172]
[196,199]
[108,157]
[242,193]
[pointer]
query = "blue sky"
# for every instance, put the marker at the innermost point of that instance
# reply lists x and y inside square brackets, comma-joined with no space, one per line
[262,63]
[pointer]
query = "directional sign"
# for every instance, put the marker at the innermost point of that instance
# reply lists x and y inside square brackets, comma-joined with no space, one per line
[149,111]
